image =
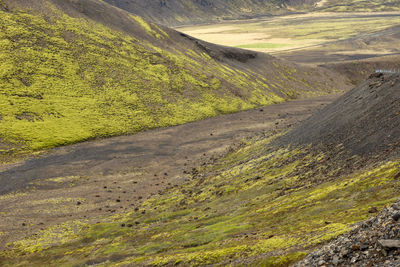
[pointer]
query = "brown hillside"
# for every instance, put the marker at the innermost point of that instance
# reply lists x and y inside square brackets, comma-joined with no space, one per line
[180,12]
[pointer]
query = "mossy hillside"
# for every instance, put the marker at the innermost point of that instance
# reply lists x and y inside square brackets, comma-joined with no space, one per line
[258,200]
[65,80]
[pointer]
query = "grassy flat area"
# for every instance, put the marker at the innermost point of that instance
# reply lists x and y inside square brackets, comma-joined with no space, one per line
[294,31]
[359,5]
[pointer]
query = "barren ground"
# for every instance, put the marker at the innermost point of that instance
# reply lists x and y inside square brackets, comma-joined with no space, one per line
[102,177]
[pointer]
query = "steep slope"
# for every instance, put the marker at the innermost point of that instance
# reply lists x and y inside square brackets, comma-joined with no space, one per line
[77,70]
[179,12]
[364,121]
[258,205]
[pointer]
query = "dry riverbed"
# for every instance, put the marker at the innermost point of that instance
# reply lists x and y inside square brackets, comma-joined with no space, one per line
[92,180]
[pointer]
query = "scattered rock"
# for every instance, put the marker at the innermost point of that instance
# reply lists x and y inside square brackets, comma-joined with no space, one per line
[335,260]
[375,242]
[373,210]
[396,216]
[389,243]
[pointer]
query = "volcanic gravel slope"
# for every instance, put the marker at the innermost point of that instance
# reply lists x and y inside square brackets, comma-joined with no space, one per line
[364,121]
[375,242]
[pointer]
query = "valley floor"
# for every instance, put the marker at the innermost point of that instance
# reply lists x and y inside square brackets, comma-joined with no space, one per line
[92,180]
[313,38]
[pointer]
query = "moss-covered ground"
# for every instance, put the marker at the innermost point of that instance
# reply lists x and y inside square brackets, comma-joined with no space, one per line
[259,204]
[65,79]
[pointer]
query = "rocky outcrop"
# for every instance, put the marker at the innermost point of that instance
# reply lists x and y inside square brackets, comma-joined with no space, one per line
[375,242]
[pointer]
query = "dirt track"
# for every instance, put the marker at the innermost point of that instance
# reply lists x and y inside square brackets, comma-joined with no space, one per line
[113,175]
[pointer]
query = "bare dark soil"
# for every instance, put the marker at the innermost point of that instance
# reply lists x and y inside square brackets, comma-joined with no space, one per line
[359,70]
[103,177]
[365,120]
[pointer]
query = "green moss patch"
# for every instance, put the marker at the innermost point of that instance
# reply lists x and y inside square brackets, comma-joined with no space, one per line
[256,205]
[65,80]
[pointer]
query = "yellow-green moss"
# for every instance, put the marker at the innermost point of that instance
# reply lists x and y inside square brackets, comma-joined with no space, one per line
[59,234]
[280,261]
[148,28]
[65,80]
[255,201]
